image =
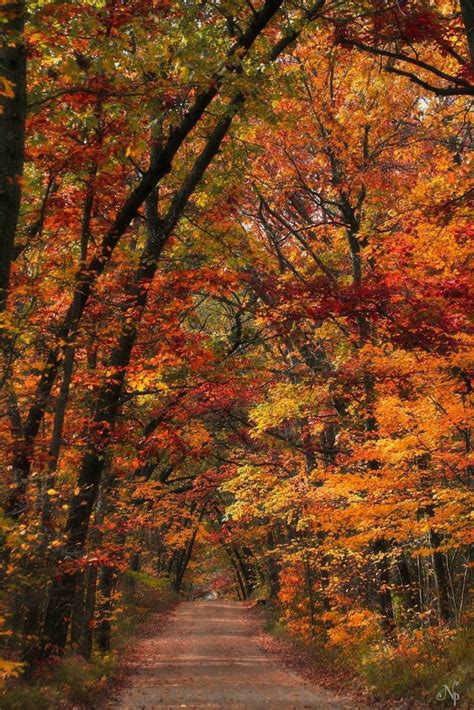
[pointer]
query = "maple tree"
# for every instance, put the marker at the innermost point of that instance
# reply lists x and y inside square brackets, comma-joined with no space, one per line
[234,310]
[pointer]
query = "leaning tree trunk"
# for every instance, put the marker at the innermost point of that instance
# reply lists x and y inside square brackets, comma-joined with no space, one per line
[184,560]
[70,350]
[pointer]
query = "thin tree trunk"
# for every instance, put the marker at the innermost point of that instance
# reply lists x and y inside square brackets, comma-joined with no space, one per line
[410,593]
[309,583]
[77,609]
[421,584]
[441,579]
[104,627]
[87,626]
[384,595]
[237,574]
[273,570]
[184,561]
[69,358]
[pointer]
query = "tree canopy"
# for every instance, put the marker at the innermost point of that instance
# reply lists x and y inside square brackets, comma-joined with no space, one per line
[235,301]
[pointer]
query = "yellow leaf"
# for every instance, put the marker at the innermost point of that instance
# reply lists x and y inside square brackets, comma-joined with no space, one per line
[7,88]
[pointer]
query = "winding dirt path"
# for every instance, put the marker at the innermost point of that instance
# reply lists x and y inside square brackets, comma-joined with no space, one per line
[207,658]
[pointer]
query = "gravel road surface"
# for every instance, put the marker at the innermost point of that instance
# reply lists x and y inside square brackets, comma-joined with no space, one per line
[207,658]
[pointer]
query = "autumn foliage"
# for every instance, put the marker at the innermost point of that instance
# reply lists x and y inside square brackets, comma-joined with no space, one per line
[235,312]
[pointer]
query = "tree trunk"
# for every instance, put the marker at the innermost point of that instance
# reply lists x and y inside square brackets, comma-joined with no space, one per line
[309,583]
[87,621]
[242,592]
[87,627]
[181,570]
[70,352]
[272,568]
[103,631]
[441,579]
[467,12]
[410,593]
[77,609]
[12,132]
[30,626]
[384,595]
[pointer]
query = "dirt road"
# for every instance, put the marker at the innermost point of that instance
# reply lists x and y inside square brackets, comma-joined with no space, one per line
[207,658]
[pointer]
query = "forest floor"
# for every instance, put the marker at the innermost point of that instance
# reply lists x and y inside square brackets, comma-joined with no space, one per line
[208,656]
